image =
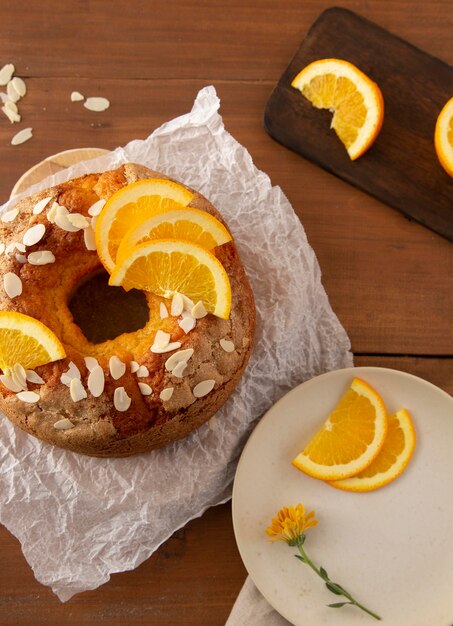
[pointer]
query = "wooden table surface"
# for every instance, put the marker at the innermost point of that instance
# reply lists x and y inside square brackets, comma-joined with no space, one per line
[388,279]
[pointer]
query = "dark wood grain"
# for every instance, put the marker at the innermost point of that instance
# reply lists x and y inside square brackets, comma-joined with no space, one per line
[401,168]
[388,279]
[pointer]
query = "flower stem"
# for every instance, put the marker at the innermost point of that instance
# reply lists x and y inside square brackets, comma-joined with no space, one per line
[338,590]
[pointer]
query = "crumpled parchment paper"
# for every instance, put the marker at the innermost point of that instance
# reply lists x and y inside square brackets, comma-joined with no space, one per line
[79,519]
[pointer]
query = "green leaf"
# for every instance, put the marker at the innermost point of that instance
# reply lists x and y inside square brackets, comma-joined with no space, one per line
[338,605]
[301,558]
[324,574]
[334,588]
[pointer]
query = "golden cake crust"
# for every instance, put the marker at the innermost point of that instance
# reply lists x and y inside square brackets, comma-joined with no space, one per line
[99,429]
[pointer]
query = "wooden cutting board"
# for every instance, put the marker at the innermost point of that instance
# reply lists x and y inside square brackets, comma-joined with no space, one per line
[401,168]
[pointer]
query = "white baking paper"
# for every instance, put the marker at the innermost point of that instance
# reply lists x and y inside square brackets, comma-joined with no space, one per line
[79,519]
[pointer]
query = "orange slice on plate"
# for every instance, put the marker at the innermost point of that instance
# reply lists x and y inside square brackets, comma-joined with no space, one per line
[187,224]
[391,461]
[443,137]
[26,341]
[354,99]
[132,205]
[351,437]
[169,266]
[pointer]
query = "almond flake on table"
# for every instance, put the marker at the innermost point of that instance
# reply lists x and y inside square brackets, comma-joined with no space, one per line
[12,285]
[134,367]
[177,305]
[28,396]
[96,208]
[199,310]
[203,388]
[34,378]
[96,104]
[13,95]
[11,106]
[166,394]
[33,235]
[96,381]
[22,136]
[63,424]
[41,257]
[6,73]
[76,96]
[19,86]
[145,389]
[89,238]
[227,345]
[12,115]
[181,356]
[9,216]
[41,205]
[91,363]
[77,390]
[121,400]
[117,367]
[163,312]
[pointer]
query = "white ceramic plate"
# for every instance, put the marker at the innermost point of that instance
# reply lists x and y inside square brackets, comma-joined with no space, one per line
[391,548]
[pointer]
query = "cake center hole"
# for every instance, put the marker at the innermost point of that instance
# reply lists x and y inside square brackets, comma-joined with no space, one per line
[103,312]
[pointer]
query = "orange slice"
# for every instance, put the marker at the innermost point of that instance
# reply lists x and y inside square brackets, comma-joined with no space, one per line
[187,224]
[26,341]
[169,266]
[351,437]
[443,137]
[391,461]
[132,205]
[354,99]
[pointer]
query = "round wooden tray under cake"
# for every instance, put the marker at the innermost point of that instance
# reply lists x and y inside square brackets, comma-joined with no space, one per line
[54,164]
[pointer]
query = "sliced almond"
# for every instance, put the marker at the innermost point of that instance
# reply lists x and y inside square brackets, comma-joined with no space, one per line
[41,257]
[20,374]
[11,106]
[117,367]
[166,394]
[76,96]
[171,346]
[77,390]
[41,205]
[187,323]
[63,424]
[34,378]
[18,86]
[12,285]
[33,235]
[6,73]
[89,238]
[188,303]
[181,356]
[145,389]
[28,396]
[2,247]
[96,381]
[121,400]
[12,93]
[163,312]
[9,383]
[9,216]
[177,305]
[13,116]
[78,220]
[142,371]
[96,208]
[62,221]
[22,136]
[134,367]
[72,372]
[162,339]
[20,258]
[227,345]
[52,213]
[91,363]
[199,310]
[179,369]
[96,104]
[203,388]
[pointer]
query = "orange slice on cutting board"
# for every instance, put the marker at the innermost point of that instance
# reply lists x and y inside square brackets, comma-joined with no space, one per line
[354,99]
[351,437]
[391,461]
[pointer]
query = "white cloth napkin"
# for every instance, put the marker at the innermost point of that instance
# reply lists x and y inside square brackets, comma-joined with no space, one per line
[79,519]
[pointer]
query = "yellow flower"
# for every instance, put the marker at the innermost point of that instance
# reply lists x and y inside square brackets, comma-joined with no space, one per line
[290,524]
